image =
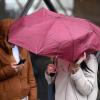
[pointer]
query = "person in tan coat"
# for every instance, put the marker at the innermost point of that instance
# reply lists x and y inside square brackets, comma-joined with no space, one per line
[17,82]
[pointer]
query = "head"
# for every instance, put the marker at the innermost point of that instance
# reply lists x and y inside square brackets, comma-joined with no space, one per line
[84,65]
[4,31]
[4,27]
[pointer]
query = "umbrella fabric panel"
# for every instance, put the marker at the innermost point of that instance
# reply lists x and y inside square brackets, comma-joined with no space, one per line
[48,33]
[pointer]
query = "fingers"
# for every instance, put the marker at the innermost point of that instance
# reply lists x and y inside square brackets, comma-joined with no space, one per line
[13,65]
[82,58]
[85,55]
[18,67]
[51,69]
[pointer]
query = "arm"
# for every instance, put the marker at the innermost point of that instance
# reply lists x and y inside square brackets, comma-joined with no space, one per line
[32,82]
[6,72]
[85,81]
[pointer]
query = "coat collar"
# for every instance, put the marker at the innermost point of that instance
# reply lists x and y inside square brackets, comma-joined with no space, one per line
[6,59]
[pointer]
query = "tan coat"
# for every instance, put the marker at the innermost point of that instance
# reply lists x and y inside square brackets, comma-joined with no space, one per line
[16,85]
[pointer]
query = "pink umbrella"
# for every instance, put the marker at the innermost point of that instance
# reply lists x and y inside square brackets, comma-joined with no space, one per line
[48,33]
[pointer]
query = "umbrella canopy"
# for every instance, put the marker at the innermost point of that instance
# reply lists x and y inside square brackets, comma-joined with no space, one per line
[48,33]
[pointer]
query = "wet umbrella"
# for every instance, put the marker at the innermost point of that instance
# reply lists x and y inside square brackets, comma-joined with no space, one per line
[48,33]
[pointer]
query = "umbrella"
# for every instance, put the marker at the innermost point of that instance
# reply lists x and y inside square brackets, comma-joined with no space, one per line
[47,33]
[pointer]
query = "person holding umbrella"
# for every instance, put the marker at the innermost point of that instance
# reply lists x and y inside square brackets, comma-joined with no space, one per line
[17,81]
[67,38]
[74,81]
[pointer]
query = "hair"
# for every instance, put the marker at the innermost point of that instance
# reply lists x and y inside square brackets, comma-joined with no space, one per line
[5,47]
[85,67]
[4,31]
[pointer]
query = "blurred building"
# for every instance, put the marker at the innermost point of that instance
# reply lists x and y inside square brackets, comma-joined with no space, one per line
[88,9]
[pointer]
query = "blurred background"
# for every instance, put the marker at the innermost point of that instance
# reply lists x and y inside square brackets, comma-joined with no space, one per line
[89,9]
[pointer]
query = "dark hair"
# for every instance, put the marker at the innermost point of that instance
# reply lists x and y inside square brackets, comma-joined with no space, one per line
[85,67]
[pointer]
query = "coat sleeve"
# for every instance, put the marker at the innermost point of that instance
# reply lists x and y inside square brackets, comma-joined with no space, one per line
[6,72]
[85,81]
[32,81]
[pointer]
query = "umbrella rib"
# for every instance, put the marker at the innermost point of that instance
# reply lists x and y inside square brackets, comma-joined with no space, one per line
[46,36]
[72,39]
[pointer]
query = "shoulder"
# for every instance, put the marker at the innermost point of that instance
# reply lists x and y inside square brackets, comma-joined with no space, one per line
[91,58]
[23,52]
[92,62]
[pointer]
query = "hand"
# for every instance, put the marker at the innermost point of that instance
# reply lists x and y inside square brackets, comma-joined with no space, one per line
[75,67]
[81,59]
[17,67]
[51,68]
